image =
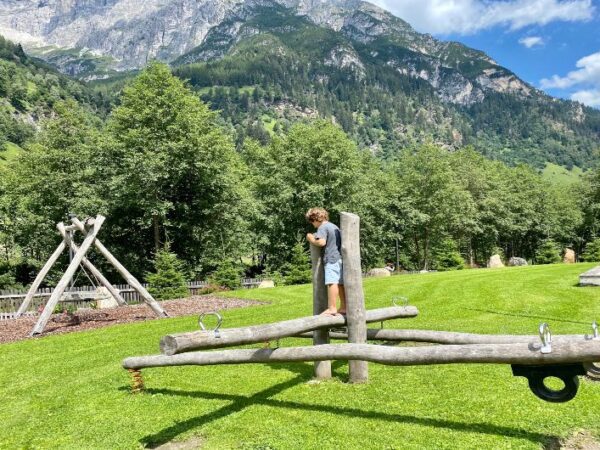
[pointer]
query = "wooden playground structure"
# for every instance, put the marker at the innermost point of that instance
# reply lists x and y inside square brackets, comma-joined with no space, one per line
[534,357]
[89,228]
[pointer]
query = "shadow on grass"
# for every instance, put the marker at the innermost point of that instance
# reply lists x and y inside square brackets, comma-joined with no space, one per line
[531,316]
[304,371]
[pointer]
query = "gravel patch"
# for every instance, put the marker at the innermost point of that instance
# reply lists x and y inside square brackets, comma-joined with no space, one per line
[19,329]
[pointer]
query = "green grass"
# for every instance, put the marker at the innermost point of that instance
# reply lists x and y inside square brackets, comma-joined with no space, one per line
[69,391]
[561,175]
[10,151]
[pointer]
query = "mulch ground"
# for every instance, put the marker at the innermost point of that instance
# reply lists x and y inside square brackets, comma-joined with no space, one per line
[19,329]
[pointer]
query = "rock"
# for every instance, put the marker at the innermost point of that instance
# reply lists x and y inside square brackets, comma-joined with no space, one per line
[495,261]
[378,272]
[104,299]
[264,284]
[569,257]
[516,261]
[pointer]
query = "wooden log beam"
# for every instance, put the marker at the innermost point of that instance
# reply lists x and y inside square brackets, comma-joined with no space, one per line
[129,278]
[520,353]
[355,298]
[450,338]
[95,272]
[183,342]
[39,278]
[67,276]
[88,223]
[322,369]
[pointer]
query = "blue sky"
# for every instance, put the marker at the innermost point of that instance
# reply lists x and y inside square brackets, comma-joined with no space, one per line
[552,44]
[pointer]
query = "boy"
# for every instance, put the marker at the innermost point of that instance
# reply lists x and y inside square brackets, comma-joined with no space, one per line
[328,236]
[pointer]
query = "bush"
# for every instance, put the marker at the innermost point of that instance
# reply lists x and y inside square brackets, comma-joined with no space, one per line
[168,281]
[7,281]
[228,275]
[592,251]
[298,269]
[447,257]
[547,253]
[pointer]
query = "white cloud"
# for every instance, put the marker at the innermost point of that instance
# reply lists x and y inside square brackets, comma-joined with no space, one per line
[585,81]
[531,41]
[590,97]
[588,74]
[470,16]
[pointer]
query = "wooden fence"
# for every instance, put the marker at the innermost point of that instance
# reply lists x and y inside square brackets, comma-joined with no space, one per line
[84,296]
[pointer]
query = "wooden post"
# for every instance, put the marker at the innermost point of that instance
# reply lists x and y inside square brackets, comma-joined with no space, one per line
[39,278]
[320,337]
[66,278]
[355,299]
[130,279]
[95,272]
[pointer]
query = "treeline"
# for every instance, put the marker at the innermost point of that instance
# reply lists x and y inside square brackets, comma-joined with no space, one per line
[165,172]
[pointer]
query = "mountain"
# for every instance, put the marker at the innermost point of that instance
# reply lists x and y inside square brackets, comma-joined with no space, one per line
[29,90]
[265,63]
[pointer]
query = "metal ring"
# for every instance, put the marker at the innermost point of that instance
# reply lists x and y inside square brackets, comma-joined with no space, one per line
[546,338]
[219,321]
[397,299]
[596,336]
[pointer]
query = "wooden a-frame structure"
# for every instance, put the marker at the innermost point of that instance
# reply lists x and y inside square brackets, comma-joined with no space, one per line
[90,228]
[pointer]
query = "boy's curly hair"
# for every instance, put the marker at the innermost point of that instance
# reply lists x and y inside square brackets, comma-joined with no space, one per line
[316,214]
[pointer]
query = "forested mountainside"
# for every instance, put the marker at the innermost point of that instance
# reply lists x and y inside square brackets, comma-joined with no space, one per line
[268,63]
[29,89]
[387,90]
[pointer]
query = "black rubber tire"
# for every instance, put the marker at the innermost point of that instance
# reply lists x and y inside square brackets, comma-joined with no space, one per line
[537,386]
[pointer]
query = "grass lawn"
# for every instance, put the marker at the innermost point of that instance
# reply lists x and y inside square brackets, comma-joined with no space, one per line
[69,391]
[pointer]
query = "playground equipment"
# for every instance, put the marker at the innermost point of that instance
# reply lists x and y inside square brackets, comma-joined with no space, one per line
[535,358]
[90,228]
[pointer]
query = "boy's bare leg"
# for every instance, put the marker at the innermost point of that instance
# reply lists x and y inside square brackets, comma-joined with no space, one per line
[332,295]
[342,309]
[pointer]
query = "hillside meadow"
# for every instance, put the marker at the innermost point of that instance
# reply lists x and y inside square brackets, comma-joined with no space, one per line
[69,391]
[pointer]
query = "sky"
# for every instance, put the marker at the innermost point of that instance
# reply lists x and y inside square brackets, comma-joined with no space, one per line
[552,44]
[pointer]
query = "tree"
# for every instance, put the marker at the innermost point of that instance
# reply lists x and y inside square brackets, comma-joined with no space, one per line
[174,174]
[168,280]
[298,269]
[547,253]
[315,164]
[592,251]
[437,204]
[55,175]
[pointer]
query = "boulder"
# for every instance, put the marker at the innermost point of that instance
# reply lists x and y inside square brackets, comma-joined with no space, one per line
[569,257]
[378,272]
[516,261]
[104,299]
[495,261]
[264,284]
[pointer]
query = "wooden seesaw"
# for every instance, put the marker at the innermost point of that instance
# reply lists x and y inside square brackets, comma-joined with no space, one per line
[535,358]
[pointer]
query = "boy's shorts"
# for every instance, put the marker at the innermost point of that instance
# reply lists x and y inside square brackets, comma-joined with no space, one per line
[334,273]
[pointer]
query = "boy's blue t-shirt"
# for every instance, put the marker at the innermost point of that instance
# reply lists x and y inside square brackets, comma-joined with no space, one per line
[333,248]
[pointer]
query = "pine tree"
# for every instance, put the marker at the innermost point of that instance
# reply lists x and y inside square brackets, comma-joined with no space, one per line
[168,281]
[548,253]
[592,251]
[297,270]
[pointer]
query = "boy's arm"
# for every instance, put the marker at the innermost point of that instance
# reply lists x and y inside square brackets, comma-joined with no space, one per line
[319,242]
